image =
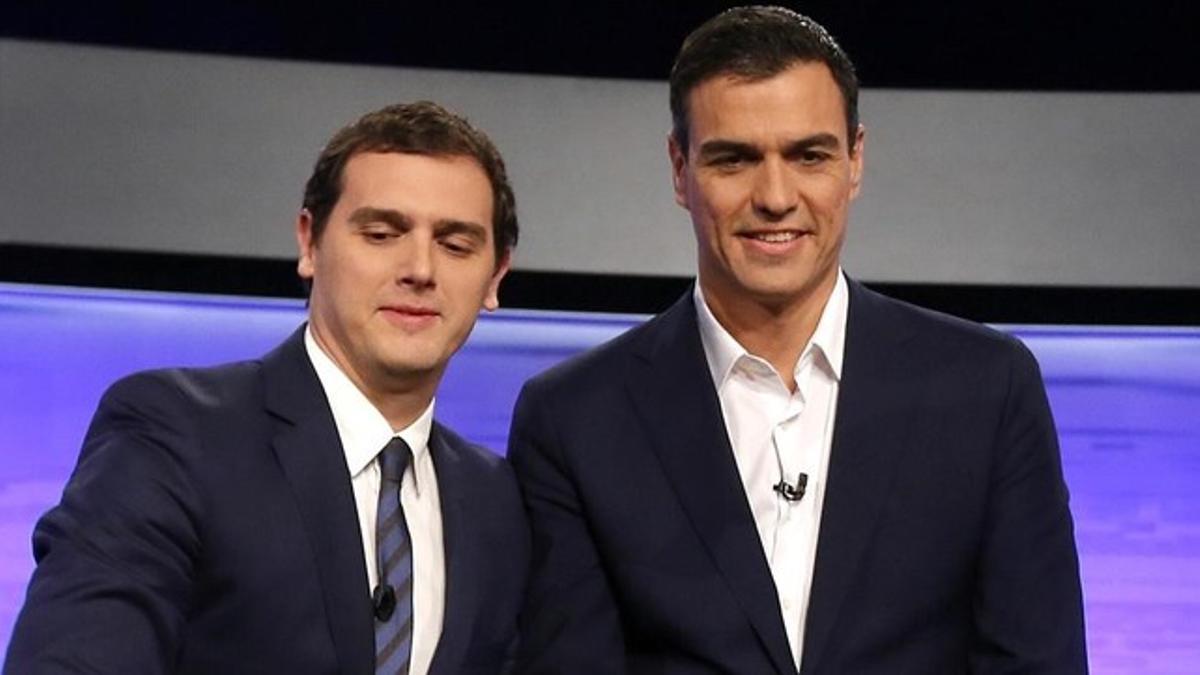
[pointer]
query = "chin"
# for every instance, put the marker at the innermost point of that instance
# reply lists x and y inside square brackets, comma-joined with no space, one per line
[408,366]
[777,294]
[776,285]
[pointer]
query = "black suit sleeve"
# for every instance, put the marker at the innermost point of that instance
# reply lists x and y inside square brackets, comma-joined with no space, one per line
[570,619]
[1028,606]
[116,557]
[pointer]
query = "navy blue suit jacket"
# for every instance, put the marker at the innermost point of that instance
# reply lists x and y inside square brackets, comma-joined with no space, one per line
[946,544]
[210,527]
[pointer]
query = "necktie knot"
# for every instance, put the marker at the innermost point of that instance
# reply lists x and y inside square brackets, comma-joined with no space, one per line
[393,459]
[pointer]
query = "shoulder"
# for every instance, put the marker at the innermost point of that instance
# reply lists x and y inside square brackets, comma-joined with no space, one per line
[476,458]
[198,414]
[877,318]
[146,452]
[467,468]
[603,366]
[938,362]
[187,391]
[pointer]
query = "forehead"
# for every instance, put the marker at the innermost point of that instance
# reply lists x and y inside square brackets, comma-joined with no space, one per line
[442,187]
[802,100]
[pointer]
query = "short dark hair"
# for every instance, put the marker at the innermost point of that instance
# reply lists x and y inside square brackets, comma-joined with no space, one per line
[756,43]
[422,128]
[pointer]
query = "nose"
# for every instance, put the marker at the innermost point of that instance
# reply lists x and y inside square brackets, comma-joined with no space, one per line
[416,269]
[775,193]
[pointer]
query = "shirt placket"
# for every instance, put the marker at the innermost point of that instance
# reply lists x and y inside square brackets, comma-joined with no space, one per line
[795,518]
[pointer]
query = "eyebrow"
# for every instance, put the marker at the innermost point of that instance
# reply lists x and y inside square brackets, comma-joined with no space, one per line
[824,140]
[399,221]
[370,214]
[464,227]
[719,146]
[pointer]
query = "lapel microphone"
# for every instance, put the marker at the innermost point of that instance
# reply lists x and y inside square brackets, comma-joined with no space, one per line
[384,600]
[792,493]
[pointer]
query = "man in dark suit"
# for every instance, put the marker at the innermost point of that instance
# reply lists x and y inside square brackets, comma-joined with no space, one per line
[786,471]
[303,513]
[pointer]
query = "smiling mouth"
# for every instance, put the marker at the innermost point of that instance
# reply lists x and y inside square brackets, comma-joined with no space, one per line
[774,237]
[410,318]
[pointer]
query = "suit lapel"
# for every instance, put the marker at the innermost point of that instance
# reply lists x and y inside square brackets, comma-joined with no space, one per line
[309,450]
[869,434]
[462,559]
[675,398]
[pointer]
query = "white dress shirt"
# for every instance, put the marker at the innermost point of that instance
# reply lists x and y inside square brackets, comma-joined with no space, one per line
[364,432]
[776,435]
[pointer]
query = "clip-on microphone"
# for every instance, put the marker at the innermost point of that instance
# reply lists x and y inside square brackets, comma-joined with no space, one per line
[792,493]
[384,601]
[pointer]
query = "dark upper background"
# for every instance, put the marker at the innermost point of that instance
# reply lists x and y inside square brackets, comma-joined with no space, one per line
[1148,46]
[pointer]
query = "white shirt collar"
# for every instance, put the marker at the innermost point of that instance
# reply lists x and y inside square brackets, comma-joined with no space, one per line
[723,351]
[363,430]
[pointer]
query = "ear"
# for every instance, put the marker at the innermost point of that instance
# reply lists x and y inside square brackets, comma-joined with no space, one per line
[679,166]
[491,301]
[856,161]
[306,263]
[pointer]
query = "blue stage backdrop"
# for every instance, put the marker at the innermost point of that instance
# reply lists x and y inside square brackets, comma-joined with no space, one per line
[1126,401]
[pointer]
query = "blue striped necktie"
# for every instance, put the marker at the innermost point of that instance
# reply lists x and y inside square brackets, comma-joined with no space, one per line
[393,627]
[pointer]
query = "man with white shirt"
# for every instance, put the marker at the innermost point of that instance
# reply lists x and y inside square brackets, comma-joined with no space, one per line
[304,513]
[786,472]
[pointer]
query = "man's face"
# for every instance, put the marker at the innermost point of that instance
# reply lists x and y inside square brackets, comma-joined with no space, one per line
[402,268]
[768,178]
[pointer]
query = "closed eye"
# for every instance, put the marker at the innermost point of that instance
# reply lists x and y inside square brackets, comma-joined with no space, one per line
[459,245]
[461,238]
[379,226]
[379,236]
